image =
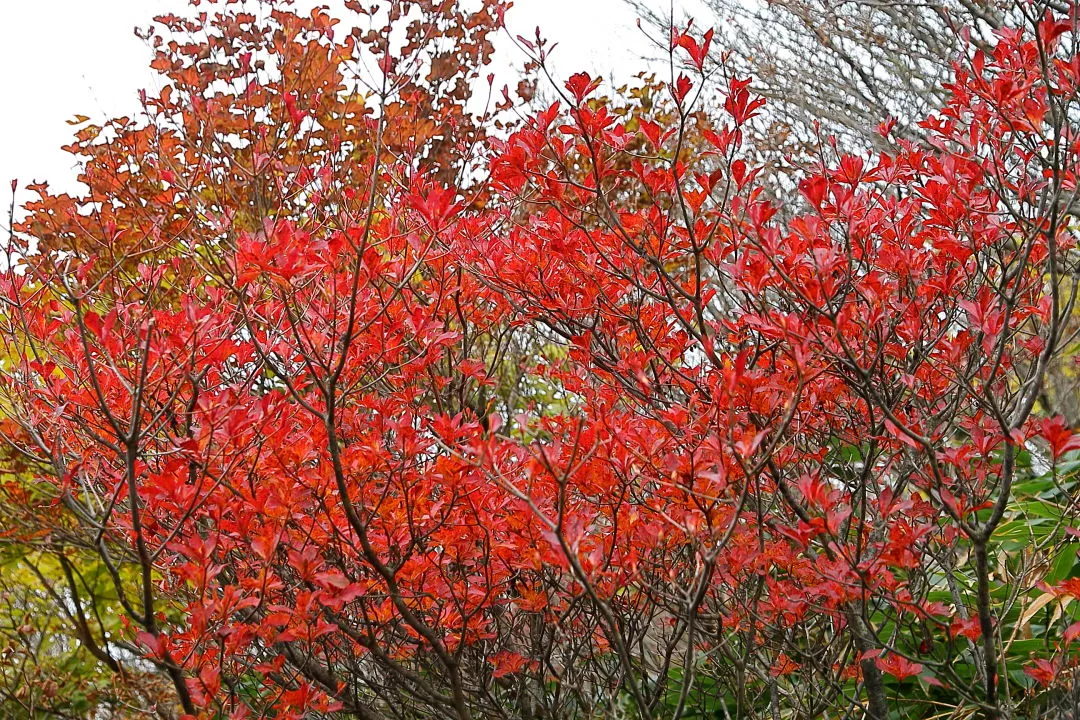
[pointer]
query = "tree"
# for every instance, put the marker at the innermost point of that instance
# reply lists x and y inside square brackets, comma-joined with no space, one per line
[750,466]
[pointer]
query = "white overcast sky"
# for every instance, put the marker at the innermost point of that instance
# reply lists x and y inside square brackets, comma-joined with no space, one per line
[59,58]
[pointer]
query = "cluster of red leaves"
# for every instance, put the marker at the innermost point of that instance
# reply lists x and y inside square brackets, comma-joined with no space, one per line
[262,360]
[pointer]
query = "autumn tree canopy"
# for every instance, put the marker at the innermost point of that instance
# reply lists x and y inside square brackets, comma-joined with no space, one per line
[355,387]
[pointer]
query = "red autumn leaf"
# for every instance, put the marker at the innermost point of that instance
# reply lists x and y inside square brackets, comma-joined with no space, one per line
[1058,435]
[1042,671]
[969,628]
[898,666]
[581,86]
[697,51]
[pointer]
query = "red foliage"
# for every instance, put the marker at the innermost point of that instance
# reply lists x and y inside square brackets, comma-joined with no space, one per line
[273,378]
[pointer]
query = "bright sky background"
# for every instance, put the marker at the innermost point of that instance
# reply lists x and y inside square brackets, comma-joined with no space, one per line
[59,58]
